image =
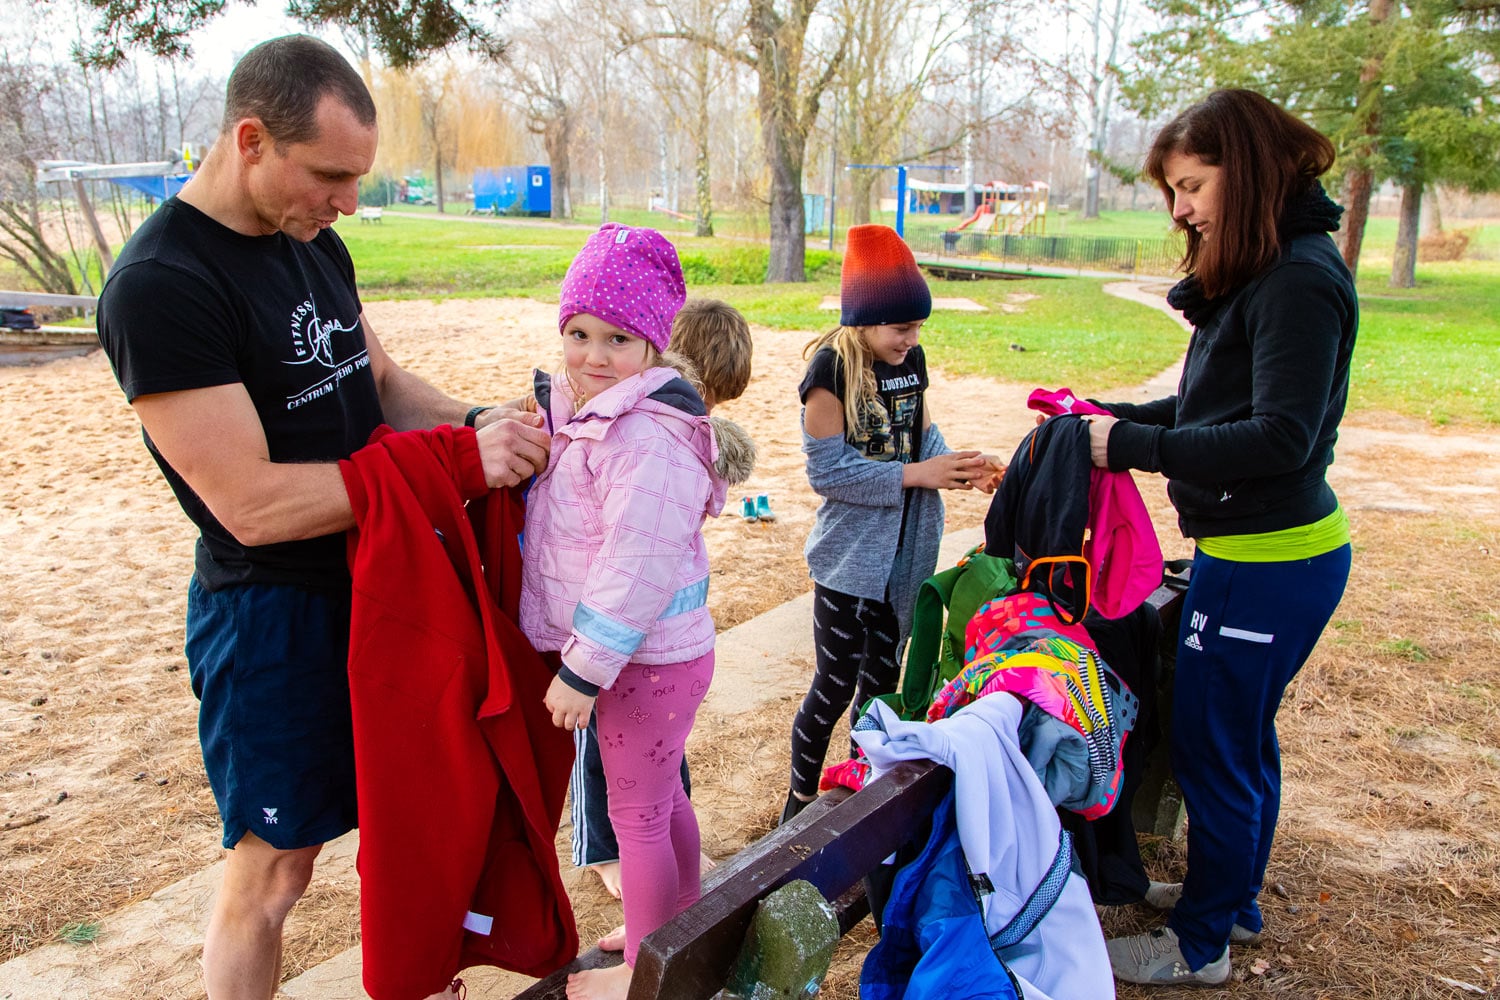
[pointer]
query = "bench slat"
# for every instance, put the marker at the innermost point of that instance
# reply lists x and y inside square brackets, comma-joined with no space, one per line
[831,844]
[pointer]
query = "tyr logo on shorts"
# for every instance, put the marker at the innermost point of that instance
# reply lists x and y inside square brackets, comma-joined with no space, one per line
[270,815]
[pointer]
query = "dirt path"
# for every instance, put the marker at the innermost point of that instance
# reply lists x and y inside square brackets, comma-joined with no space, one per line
[1391,734]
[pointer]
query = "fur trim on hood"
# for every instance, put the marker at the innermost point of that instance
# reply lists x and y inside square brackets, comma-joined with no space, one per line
[736,451]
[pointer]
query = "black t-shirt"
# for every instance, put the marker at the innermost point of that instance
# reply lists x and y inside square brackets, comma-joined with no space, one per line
[192,304]
[892,426]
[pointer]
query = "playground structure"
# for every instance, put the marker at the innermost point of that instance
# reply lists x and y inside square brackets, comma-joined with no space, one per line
[157,180]
[1002,210]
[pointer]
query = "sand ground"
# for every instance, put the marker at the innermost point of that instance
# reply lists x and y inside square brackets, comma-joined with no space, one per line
[1387,864]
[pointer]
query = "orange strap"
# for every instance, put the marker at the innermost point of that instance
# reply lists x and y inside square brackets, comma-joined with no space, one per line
[1053,562]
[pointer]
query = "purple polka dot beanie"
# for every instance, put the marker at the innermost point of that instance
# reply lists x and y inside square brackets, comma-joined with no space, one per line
[628,277]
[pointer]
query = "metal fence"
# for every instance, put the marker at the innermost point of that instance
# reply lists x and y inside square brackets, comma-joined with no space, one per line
[1063,253]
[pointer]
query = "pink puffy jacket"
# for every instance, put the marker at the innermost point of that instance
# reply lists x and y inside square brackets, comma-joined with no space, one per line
[614,568]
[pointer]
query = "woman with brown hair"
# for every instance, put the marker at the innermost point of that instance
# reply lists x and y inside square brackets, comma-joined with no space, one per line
[1245,445]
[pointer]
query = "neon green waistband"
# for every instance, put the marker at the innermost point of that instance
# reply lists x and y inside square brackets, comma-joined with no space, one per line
[1302,542]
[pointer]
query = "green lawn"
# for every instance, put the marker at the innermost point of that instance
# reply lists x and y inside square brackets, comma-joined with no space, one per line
[1432,352]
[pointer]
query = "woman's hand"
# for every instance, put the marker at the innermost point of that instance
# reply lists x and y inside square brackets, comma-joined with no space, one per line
[953,471]
[570,708]
[1099,425]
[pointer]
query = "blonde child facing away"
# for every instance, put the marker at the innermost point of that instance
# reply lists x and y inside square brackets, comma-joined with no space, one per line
[877,459]
[713,337]
[615,574]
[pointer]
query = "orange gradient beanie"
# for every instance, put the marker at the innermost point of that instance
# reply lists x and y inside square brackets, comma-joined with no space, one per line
[880,282]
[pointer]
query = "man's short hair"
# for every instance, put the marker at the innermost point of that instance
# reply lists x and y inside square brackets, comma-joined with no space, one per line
[282,81]
[716,339]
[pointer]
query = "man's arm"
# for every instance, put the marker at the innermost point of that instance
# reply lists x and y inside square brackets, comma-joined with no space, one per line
[214,439]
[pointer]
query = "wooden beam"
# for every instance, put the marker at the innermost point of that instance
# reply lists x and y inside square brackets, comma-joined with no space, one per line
[105,257]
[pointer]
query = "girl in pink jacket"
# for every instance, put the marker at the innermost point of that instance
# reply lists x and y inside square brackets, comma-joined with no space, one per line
[615,572]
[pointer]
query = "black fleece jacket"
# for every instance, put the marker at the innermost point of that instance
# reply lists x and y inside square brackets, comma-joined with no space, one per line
[1247,440]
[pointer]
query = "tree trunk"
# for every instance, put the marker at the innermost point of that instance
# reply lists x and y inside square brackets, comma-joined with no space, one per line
[438,174]
[703,208]
[556,137]
[1358,183]
[788,216]
[1404,261]
[861,184]
[778,44]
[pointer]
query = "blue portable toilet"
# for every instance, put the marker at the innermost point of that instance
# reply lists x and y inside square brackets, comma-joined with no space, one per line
[513,190]
[539,190]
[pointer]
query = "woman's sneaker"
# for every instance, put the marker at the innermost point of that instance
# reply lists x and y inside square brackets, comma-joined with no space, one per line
[1164,896]
[1156,958]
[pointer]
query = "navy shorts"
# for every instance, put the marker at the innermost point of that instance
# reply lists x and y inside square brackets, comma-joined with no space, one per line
[269,664]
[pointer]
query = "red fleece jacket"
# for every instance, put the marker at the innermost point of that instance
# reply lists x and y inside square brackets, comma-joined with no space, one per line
[461,774]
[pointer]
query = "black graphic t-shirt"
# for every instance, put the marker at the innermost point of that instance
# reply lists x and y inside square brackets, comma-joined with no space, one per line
[192,304]
[892,426]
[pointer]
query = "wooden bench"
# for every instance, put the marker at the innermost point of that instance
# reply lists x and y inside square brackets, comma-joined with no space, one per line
[371,213]
[833,844]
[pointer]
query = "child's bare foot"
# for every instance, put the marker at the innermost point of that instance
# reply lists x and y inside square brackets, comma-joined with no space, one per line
[706,864]
[609,874]
[614,940]
[600,984]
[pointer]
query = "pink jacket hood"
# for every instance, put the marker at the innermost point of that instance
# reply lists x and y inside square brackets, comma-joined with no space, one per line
[615,569]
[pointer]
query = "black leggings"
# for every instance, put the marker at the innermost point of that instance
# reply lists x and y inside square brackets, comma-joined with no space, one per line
[855,648]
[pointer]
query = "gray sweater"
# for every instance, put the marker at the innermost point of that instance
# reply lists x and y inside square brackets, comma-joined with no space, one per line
[852,547]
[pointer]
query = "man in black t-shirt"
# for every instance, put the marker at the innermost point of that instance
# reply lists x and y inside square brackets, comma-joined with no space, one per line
[234,328]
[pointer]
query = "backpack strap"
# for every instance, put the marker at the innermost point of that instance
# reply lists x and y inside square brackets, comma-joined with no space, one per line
[926,642]
[1042,898]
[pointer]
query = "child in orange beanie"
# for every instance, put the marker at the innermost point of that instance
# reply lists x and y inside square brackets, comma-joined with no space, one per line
[878,460]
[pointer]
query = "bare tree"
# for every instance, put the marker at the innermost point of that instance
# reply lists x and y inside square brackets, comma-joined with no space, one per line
[1090,72]
[794,73]
[881,82]
[543,66]
[24,86]
[684,76]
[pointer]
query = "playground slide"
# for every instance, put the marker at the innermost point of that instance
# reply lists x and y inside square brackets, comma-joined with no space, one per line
[978,211]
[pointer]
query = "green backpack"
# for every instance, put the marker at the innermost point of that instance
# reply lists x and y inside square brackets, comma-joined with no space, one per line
[935,652]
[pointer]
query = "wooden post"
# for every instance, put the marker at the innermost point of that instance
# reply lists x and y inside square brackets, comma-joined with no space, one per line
[106,259]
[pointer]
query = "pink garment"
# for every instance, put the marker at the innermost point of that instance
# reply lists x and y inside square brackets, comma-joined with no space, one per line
[1055,401]
[1121,546]
[644,721]
[615,570]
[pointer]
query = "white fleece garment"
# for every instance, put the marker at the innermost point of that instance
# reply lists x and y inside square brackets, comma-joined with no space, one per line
[1010,832]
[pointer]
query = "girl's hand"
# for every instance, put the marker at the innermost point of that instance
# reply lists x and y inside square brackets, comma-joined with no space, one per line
[989,480]
[953,471]
[570,708]
[1099,426]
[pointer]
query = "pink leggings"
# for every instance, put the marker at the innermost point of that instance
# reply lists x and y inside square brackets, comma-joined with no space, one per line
[644,721]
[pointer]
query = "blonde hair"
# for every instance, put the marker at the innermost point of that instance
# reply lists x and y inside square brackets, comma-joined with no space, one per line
[855,356]
[678,362]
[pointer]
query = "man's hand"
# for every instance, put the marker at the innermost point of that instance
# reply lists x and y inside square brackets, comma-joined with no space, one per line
[513,446]
[570,708]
